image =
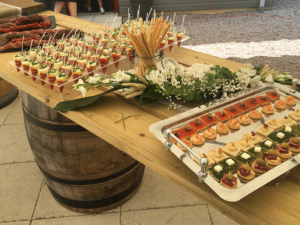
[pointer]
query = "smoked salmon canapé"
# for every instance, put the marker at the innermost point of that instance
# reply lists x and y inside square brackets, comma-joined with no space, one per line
[280,104]
[197,139]
[222,128]
[273,95]
[234,124]
[243,107]
[253,103]
[209,133]
[209,119]
[183,132]
[255,115]
[290,101]
[222,116]
[244,119]
[232,111]
[198,124]
[263,100]
[268,109]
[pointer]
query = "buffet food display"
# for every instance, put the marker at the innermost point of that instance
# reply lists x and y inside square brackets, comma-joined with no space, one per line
[248,141]
[66,53]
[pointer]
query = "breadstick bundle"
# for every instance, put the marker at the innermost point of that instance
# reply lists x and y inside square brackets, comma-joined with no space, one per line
[147,43]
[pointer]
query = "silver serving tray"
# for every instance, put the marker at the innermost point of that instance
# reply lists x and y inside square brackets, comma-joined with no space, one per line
[242,190]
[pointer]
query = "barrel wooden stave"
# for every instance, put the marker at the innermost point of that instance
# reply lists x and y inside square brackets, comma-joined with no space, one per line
[8,93]
[83,172]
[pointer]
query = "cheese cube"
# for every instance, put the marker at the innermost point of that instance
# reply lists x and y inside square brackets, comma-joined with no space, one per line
[288,129]
[280,135]
[230,162]
[257,149]
[218,168]
[245,156]
[268,143]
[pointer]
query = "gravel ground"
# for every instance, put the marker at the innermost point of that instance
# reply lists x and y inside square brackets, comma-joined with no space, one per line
[256,40]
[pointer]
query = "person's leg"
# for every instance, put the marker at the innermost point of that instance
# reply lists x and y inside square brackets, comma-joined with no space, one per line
[58,6]
[101,7]
[100,3]
[73,8]
[89,2]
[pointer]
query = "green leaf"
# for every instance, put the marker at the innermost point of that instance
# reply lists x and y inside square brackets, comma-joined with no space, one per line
[77,103]
[150,92]
[149,96]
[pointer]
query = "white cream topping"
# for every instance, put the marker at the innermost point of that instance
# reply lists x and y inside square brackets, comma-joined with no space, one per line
[218,168]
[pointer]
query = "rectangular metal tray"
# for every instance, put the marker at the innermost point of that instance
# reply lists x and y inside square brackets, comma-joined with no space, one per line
[242,189]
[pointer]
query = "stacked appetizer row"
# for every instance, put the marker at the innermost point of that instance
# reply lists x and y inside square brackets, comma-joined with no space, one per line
[235,116]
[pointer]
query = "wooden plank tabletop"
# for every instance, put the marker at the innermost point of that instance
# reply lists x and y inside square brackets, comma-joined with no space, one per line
[268,205]
[25,5]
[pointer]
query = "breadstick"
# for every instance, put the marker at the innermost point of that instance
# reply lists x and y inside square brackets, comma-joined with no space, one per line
[155,26]
[134,43]
[141,24]
[146,42]
[158,43]
[152,42]
[164,32]
[156,34]
[150,27]
[133,27]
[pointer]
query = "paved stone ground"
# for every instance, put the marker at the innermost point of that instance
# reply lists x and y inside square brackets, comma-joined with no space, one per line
[25,199]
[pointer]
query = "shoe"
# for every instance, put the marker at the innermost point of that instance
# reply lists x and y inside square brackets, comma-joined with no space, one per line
[102,10]
[89,8]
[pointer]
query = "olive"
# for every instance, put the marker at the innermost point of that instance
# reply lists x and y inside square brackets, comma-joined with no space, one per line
[232,109]
[264,97]
[197,122]
[187,127]
[296,140]
[229,176]
[246,167]
[284,146]
[272,152]
[261,162]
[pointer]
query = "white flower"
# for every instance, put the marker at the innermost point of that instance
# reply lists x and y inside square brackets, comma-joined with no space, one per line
[106,81]
[80,81]
[255,81]
[153,76]
[121,76]
[269,79]
[246,71]
[94,80]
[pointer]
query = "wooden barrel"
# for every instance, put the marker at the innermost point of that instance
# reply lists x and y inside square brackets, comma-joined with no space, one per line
[8,93]
[83,172]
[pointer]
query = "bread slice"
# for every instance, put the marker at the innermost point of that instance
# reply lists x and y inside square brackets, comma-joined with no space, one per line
[295,115]
[261,130]
[274,124]
[210,159]
[286,121]
[244,145]
[227,150]
[218,159]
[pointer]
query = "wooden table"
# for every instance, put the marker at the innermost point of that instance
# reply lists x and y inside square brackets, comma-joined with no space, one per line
[268,205]
[25,5]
